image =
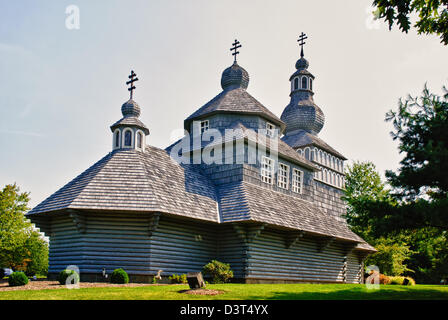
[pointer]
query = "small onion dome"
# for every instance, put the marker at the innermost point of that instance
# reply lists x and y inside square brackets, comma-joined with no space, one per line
[130,108]
[302,113]
[234,77]
[302,63]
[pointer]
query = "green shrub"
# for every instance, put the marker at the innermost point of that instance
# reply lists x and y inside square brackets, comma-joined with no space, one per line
[64,274]
[2,273]
[219,272]
[399,281]
[175,278]
[17,279]
[119,276]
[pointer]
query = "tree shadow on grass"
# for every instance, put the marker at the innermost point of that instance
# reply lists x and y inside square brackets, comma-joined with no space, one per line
[362,293]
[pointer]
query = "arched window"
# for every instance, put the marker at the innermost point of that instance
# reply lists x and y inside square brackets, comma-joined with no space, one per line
[307,153]
[313,154]
[299,151]
[128,138]
[325,175]
[311,84]
[320,156]
[296,83]
[304,83]
[139,140]
[117,139]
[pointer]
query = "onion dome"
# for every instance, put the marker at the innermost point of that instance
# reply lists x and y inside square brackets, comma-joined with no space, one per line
[130,109]
[302,63]
[234,77]
[302,113]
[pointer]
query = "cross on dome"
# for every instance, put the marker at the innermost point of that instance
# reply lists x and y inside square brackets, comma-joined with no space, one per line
[131,82]
[234,48]
[301,42]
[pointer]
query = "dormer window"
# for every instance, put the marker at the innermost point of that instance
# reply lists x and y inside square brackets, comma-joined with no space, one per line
[128,138]
[204,126]
[304,83]
[296,83]
[311,84]
[270,129]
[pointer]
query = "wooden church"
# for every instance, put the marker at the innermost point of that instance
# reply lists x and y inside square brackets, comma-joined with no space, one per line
[270,205]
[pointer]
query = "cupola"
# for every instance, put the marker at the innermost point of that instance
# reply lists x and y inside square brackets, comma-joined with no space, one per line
[129,132]
[302,113]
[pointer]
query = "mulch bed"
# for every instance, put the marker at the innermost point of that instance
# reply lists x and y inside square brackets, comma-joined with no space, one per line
[202,292]
[41,285]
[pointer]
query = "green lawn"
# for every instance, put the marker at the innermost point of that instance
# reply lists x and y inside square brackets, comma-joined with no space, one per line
[237,291]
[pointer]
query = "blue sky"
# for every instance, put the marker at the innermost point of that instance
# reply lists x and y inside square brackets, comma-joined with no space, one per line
[61,89]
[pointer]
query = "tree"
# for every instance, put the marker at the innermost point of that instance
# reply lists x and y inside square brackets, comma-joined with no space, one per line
[432,15]
[391,256]
[363,185]
[21,247]
[421,183]
[421,127]
[13,226]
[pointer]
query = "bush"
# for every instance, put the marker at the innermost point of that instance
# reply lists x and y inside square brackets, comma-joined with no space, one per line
[64,274]
[219,272]
[384,279]
[399,281]
[17,279]
[175,278]
[2,273]
[119,276]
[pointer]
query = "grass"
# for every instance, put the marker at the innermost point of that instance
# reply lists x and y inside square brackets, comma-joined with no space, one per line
[238,292]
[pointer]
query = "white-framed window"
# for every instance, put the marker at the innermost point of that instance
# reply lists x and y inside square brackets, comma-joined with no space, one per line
[304,83]
[283,176]
[299,151]
[307,153]
[296,83]
[204,126]
[270,129]
[311,84]
[297,180]
[127,138]
[267,170]
[117,138]
[139,144]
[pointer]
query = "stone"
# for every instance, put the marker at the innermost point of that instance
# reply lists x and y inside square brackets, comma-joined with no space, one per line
[195,280]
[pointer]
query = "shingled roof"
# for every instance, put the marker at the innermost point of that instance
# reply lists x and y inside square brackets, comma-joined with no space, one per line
[242,132]
[129,180]
[302,138]
[243,201]
[237,100]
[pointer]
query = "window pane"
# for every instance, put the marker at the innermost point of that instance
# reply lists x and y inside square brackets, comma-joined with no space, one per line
[127,139]
[139,140]
[117,139]
[267,170]
[283,176]
[304,83]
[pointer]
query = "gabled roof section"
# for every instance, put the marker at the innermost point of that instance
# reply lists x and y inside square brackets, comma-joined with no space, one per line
[242,132]
[237,101]
[129,180]
[243,201]
[302,138]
